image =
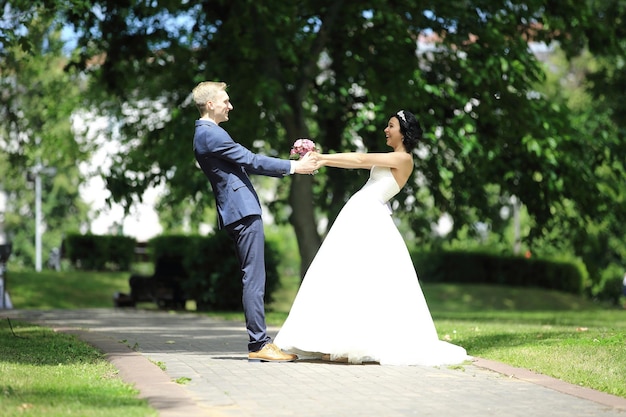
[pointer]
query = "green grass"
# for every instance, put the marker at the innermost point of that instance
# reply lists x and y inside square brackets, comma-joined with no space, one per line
[65,290]
[549,332]
[43,373]
[587,348]
[553,333]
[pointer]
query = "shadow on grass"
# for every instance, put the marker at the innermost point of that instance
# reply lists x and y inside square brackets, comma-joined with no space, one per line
[28,344]
[479,344]
[471,298]
[612,319]
[74,398]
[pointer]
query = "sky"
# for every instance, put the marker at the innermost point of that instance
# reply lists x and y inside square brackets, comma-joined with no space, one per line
[142,222]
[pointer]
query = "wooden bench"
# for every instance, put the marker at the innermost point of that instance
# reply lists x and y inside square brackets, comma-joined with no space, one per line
[164,287]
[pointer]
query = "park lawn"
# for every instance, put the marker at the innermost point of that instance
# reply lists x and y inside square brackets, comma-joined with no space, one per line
[44,373]
[581,347]
[47,290]
[549,332]
[557,334]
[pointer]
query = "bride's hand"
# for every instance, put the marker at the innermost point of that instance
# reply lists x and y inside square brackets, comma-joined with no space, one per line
[317,157]
[307,164]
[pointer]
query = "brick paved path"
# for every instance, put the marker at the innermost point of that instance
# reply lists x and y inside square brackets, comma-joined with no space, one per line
[212,354]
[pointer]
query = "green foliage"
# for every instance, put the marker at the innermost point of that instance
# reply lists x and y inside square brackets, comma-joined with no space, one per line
[611,286]
[493,115]
[99,252]
[586,222]
[43,372]
[328,77]
[213,272]
[490,268]
[39,96]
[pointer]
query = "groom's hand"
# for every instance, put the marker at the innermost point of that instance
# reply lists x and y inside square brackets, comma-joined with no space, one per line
[308,164]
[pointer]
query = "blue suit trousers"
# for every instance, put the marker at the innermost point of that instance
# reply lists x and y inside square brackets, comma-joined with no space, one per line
[249,238]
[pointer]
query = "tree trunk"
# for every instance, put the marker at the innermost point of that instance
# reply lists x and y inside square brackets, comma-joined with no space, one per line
[303,219]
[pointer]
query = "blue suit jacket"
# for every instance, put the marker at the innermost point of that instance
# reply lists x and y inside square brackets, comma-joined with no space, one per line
[227,165]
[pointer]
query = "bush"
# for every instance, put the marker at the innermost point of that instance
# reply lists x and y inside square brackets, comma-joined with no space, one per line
[487,268]
[610,287]
[212,267]
[99,252]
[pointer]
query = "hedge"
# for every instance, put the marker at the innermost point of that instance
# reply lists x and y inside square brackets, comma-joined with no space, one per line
[99,252]
[213,273]
[487,268]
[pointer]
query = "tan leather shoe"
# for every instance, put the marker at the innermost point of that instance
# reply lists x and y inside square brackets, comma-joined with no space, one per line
[271,353]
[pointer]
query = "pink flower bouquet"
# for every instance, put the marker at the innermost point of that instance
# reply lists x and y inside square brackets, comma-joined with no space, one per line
[301,147]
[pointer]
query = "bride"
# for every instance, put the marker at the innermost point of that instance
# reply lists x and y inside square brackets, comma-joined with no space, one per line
[360,300]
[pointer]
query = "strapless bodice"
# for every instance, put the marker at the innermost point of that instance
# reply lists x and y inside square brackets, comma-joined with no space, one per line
[381,185]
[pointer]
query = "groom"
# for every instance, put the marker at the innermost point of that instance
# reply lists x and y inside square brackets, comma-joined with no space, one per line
[227,164]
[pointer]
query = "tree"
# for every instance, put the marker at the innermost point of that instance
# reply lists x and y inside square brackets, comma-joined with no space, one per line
[37,101]
[588,222]
[334,71]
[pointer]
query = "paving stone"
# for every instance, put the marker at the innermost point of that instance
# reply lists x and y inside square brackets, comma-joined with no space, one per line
[212,354]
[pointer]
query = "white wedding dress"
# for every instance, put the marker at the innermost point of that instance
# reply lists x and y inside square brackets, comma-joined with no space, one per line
[360,298]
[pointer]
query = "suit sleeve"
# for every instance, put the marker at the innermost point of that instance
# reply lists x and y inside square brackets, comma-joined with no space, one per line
[222,146]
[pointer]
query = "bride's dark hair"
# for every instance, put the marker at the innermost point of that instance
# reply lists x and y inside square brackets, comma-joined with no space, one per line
[410,129]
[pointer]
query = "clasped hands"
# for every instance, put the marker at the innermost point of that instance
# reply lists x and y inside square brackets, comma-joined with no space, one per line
[309,163]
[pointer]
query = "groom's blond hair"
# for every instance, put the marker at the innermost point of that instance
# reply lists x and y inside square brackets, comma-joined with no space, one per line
[205,92]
